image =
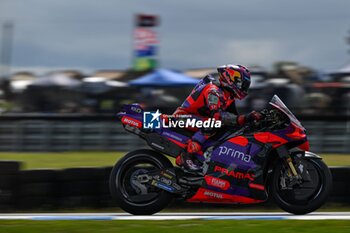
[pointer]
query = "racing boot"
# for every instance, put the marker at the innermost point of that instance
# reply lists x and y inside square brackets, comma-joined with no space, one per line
[185,160]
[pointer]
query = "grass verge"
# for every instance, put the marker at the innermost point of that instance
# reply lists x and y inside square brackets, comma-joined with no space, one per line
[190,226]
[63,159]
[98,159]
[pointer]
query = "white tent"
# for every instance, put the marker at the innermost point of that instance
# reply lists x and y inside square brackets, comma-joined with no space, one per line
[20,85]
[112,83]
[59,80]
[100,84]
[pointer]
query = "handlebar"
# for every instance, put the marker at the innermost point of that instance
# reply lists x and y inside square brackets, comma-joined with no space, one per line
[272,119]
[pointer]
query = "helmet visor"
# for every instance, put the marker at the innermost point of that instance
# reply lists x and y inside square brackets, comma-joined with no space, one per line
[245,84]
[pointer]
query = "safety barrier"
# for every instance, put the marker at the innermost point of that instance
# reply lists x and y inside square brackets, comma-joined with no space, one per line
[88,188]
[65,135]
[53,189]
[83,133]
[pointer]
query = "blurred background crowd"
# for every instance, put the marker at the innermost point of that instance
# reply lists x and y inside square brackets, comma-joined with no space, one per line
[305,90]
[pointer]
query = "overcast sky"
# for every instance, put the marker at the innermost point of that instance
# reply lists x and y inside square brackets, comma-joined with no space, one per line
[94,34]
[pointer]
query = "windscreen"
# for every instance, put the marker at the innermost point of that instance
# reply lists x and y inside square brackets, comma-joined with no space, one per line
[277,103]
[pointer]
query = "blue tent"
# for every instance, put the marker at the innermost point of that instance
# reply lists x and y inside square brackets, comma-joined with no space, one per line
[164,78]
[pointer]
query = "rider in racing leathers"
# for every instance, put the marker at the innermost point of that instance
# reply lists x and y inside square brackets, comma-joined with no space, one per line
[215,98]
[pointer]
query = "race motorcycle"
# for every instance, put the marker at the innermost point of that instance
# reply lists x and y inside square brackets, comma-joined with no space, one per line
[247,165]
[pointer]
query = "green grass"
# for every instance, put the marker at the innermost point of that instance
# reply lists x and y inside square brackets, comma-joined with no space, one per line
[98,159]
[63,159]
[337,159]
[190,226]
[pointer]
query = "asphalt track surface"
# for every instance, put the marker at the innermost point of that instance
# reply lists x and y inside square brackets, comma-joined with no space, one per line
[179,216]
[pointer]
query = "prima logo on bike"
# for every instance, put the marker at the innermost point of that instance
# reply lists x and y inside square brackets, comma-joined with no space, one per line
[152,120]
[224,150]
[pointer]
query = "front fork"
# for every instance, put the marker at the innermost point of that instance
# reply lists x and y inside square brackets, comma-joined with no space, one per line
[284,155]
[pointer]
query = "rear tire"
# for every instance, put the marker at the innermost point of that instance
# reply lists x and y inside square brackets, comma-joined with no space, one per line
[316,198]
[120,185]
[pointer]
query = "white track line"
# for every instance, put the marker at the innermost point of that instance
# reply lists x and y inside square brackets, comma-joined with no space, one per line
[179,216]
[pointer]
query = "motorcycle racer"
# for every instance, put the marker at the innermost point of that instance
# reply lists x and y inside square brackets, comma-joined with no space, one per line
[215,98]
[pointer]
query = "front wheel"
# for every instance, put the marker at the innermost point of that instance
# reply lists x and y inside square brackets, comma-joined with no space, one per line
[307,196]
[133,196]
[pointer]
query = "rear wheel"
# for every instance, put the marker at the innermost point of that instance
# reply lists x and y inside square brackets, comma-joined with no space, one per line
[306,197]
[131,195]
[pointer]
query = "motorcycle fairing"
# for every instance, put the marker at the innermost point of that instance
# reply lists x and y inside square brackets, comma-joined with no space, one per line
[241,161]
[211,196]
[238,162]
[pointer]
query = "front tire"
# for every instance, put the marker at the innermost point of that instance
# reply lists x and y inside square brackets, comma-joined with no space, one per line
[307,197]
[139,199]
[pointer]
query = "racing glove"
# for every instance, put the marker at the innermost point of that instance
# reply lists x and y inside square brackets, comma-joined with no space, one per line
[193,146]
[253,116]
